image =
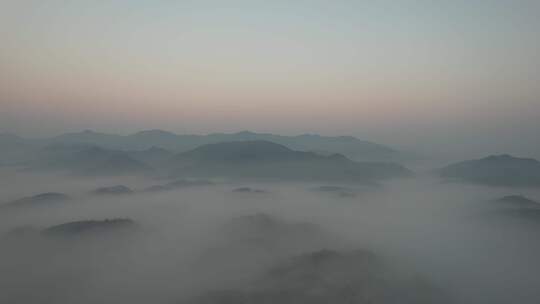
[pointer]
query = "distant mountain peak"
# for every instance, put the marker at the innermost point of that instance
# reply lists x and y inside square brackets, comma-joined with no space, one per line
[495,170]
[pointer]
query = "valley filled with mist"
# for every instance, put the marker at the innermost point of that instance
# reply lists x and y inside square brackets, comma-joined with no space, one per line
[87,219]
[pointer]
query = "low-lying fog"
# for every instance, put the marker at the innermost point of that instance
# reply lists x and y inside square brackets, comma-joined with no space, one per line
[193,240]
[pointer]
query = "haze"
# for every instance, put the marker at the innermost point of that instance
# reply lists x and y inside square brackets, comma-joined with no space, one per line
[438,232]
[269,152]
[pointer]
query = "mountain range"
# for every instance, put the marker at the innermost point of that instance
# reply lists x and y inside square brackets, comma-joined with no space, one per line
[349,146]
[267,160]
[247,159]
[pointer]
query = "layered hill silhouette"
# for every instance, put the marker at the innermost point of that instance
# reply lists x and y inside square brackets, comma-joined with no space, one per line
[268,160]
[347,145]
[495,170]
[78,154]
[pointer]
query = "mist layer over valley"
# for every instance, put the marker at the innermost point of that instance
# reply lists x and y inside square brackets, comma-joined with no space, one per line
[257,222]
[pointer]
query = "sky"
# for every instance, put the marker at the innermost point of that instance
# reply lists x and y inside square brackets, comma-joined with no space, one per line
[438,77]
